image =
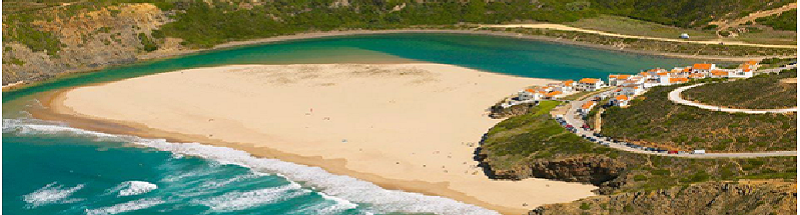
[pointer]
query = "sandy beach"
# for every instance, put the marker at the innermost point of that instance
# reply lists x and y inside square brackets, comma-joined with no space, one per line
[412,127]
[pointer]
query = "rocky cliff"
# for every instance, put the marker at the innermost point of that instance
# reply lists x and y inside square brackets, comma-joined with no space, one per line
[86,40]
[704,198]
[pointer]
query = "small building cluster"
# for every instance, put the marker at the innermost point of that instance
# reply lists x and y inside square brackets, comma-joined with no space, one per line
[630,86]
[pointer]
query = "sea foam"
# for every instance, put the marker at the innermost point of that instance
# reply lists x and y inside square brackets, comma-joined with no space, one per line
[131,188]
[125,207]
[52,193]
[346,190]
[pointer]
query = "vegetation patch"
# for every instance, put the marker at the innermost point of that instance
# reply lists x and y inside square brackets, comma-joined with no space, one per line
[784,21]
[655,120]
[761,92]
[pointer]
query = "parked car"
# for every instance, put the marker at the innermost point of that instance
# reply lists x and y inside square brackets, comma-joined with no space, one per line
[673,152]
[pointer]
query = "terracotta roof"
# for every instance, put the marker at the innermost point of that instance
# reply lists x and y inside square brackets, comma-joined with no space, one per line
[704,66]
[719,73]
[530,90]
[662,73]
[675,71]
[697,75]
[751,62]
[551,94]
[746,70]
[588,80]
[678,80]
[587,105]
[644,74]
[568,82]
[621,98]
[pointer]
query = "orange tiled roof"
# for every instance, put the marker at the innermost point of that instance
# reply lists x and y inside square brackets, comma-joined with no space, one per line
[568,82]
[751,62]
[551,94]
[588,80]
[588,105]
[704,66]
[675,71]
[621,98]
[697,75]
[644,74]
[719,73]
[678,80]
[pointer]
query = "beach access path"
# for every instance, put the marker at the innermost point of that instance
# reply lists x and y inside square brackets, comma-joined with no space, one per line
[561,27]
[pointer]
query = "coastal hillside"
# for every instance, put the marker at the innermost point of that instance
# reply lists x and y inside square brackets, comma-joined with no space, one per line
[766,91]
[46,38]
[534,145]
[653,120]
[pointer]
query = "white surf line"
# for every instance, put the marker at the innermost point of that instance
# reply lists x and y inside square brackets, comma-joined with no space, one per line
[675,96]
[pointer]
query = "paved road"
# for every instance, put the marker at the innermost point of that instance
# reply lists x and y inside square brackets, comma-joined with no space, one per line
[573,118]
[675,96]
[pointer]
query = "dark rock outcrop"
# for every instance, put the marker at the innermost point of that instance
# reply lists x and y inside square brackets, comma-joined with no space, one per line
[703,198]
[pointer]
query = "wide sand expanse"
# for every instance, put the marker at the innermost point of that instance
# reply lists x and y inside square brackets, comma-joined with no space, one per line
[412,127]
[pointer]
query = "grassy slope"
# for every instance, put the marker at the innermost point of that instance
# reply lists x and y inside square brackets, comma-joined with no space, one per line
[520,141]
[760,92]
[653,118]
[784,21]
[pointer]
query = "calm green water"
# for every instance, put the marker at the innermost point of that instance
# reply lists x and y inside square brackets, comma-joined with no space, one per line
[50,168]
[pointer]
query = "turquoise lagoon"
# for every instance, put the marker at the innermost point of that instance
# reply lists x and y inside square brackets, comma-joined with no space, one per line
[51,168]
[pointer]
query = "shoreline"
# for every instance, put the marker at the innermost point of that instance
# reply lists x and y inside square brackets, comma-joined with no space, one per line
[342,33]
[56,110]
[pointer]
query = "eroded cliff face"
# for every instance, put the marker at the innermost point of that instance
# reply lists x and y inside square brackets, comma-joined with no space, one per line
[703,198]
[91,39]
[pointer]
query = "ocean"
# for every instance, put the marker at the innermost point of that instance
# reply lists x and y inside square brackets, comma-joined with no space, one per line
[51,168]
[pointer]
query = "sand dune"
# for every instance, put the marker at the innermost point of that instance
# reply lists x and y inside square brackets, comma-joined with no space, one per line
[402,126]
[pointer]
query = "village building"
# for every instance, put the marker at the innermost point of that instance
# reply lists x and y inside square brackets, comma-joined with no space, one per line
[589,84]
[616,80]
[697,75]
[530,94]
[568,84]
[586,107]
[620,100]
[552,95]
[703,67]
[678,80]
[719,74]
[632,89]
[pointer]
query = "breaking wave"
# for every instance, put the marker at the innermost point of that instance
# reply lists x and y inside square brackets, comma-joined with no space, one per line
[346,192]
[125,207]
[52,193]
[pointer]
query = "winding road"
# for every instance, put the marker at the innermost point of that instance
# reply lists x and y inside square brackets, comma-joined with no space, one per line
[573,118]
[675,96]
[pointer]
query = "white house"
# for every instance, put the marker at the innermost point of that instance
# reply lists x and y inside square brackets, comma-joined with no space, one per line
[703,67]
[589,84]
[719,73]
[552,95]
[616,80]
[586,107]
[741,73]
[678,80]
[567,86]
[530,94]
[620,100]
[632,89]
